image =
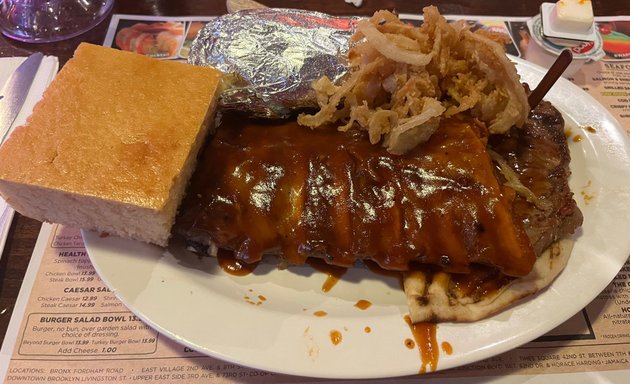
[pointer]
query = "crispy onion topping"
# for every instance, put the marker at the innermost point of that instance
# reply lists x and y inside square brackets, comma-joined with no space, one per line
[403,79]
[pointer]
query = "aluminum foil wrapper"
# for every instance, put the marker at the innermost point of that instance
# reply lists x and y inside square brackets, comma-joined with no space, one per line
[274,55]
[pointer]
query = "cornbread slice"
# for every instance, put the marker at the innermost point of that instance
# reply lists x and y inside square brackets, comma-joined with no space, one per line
[112,144]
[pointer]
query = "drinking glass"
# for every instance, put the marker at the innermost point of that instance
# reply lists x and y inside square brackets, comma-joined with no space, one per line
[44,21]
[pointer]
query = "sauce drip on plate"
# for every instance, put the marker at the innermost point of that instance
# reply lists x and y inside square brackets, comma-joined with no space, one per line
[232,266]
[426,340]
[363,304]
[335,337]
[333,273]
[447,348]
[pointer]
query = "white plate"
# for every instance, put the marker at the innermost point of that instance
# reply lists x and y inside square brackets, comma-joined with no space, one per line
[195,303]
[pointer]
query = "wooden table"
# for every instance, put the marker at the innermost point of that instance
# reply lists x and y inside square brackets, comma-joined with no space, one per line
[24,231]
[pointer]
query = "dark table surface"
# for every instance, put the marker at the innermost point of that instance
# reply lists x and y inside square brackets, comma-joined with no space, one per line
[24,231]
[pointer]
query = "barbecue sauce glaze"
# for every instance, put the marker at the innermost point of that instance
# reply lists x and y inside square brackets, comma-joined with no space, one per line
[277,187]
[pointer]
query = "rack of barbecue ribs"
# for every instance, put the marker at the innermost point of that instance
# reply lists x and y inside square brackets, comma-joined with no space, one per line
[278,188]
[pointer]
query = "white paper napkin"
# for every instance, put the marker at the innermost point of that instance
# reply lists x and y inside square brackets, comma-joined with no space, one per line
[46,72]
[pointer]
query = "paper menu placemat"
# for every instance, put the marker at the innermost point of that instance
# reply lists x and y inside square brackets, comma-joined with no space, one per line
[46,72]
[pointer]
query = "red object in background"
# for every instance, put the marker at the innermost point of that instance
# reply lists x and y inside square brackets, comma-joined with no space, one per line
[616,40]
